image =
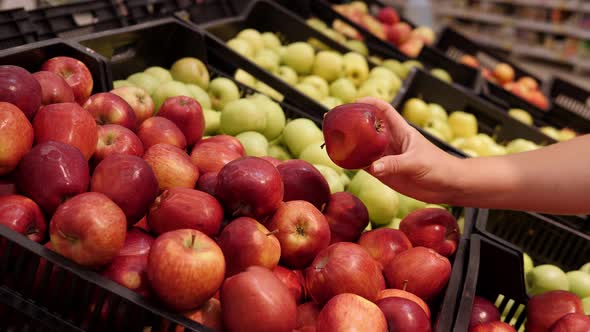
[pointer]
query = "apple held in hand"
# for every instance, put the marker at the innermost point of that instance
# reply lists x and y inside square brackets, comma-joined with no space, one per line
[302,181]
[115,139]
[16,137]
[384,244]
[187,115]
[432,228]
[21,89]
[23,216]
[356,135]
[159,130]
[54,88]
[108,108]
[350,312]
[172,166]
[572,323]
[546,309]
[404,315]
[347,217]
[139,100]
[75,73]
[88,229]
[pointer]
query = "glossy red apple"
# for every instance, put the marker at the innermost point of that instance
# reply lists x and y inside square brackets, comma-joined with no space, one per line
[193,261]
[88,229]
[209,315]
[129,181]
[228,141]
[572,323]
[108,108]
[483,311]
[399,33]
[172,166]
[546,309]
[406,295]
[115,139]
[274,161]
[68,123]
[139,100]
[159,130]
[211,156]
[207,182]
[388,15]
[51,173]
[495,326]
[418,270]
[187,114]
[54,88]
[343,267]
[347,217]
[23,216]
[180,208]
[75,73]
[20,88]
[350,312]
[16,137]
[291,279]
[255,300]
[404,315]
[307,314]
[250,187]
[302,231]
[302,181]
[432,228]
[356,135]
[384,244]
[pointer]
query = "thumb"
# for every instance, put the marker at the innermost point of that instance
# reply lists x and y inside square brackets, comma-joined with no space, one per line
[389,165]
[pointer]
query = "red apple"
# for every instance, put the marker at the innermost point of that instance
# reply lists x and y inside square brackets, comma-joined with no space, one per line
[20,88]
[350,312]
[404,315]
[343,267]
[546,309]
[209,315]
[307,314]
[139,100]
[185,268]
[207,182]
[16,137]
[292,280]
[399,33]
[115,139]
[143,224]
[302,181]
[572,323]
[483,311]
[274,161]
[51,173]
[356,134]
[54,88]
[75,73]
[384,243]
[250,187]
[419,270]
[347,217]
[432,228]
[23,216]
[228,141]
[469,60]
[495,326]
[129,181]
[406,295]
[412,47]
[504,73]
[172,166]
[180,208]
[88,229]
[538,99]
[187,114]
[302,231]
[159,130]
[528,82]
[255,300]
[108,108]
[212,156]
[388,16]
[67,123]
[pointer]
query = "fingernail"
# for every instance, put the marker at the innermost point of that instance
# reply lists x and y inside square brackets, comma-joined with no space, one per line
[378,167]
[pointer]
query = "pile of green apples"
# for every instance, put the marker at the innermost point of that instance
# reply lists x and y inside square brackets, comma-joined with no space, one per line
[459,129]
[525,117]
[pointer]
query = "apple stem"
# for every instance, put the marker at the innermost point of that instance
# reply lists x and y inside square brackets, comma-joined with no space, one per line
[323,145]
[272,233]
[405,285]
[193,240]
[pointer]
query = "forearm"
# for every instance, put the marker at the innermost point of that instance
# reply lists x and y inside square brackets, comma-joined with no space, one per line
[555,179]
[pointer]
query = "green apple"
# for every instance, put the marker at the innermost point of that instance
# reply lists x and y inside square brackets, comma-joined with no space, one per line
[253,37]
[330,102]
[121,83]
[375,87]
[337,36]
[407,67]
[356,68]
[527,263]
[408,204]
[254,143]
[437,112]
[191,70]
[396,67]
[278,152]
[222,91]
[486,138]
[357,46]
[328,65]
[441,74]
[267,90]
[242,115]
[212,121]
[520,145]
[275,116]
[244,78]
[384,72]
[332,177]
[442,127]
[318,83]
[470,153]
[167,90]
[144,81]
[435,133]
[360,180]
[434,206]
[551,132]
[368,228]
[394,224]
[566,134]
[461,224]
[586,304]
[300,133]
[381,202]
[268,60]
[316,23]
[477,144]
[161,74]
[271,41]
[344,179]
[288,75]
[546,277]
[309,90]
[299,56]
[579,283]
[376,59]
[463,124]
[343,89]
[521,115]
[416,111]
[199,94]
[315,154]
[495,150]
[242,47]
[318,45]
[585,268]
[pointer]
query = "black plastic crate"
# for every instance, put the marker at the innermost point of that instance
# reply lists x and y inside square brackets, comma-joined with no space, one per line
[15,28]
[140,11]
[491,120]
[570,106]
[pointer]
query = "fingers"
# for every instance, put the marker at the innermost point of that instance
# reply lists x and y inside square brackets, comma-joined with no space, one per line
[388,165]
[394,119]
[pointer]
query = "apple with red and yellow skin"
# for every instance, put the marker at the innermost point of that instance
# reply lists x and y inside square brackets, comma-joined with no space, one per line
[51,172]
[16,137]
[336,315]
[88,229]
[159,130]
[302,181]
[115,139]
[54,88]
[256,300]
[187,115]
[67,123]
[399,33]
[302,231]
[23,216]
[528,82]
[19,88]
[538,99]
[412,47]
[172,166]
[211,156]
[504,73]
[384,244]
[469,60]
[292,280]
[546,309]
[404,315]
[209,315]
[139,100]
[495,326]
[109,108]
[307,315]
[193,261]
[432,228]
[390,292]
[572,323]
[229,141]
[129,181]
[75,73]
[179,208]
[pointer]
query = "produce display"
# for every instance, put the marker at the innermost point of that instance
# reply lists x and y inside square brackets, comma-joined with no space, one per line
[557,134]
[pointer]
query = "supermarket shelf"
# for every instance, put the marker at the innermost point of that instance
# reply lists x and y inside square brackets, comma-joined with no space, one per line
[557,4]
